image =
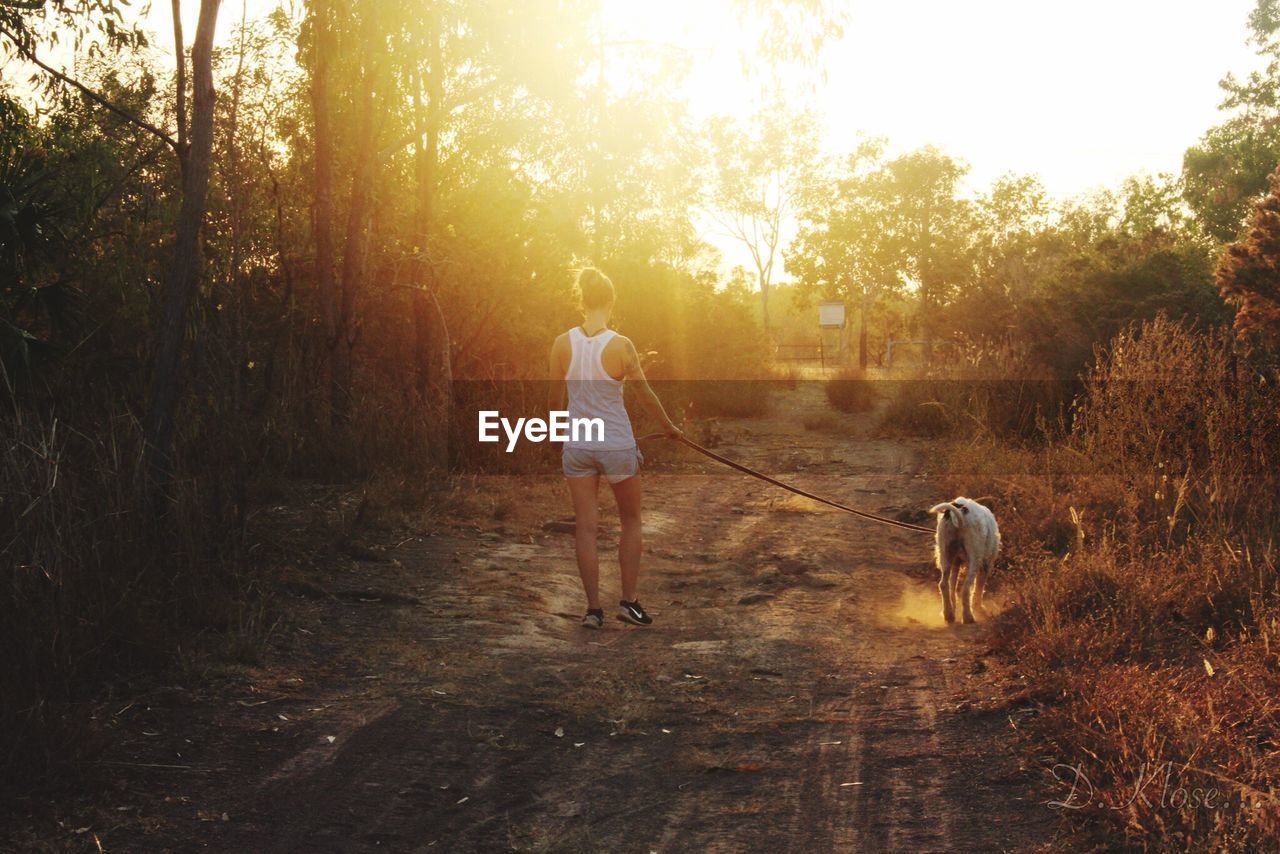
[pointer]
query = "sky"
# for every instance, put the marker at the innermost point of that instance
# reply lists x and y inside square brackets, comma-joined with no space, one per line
[1082,94]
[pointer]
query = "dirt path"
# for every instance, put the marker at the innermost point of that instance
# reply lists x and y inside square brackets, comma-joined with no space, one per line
[797,693]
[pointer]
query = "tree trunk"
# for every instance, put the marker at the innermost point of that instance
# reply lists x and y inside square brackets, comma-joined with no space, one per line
[433,369]
[355,251]
[436,373]
[322,211]
[862,331]
[354,261]
[184,274]
[427,115]
[764,301]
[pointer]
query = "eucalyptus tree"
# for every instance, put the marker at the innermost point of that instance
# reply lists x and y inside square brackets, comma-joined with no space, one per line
[416,105]
[1225,174]
[881,225]
[760,168]
[93,24]
[844,248]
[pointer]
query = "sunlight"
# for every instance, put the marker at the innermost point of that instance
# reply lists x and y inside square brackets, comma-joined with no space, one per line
[1077,121]
[366,364]
[708,35]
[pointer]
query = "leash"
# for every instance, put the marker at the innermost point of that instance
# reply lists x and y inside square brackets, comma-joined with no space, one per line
[862,514]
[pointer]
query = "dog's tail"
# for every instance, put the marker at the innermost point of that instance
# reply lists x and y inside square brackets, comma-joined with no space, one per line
[946,508]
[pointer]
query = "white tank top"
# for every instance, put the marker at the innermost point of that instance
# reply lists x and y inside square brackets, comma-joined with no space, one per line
[595,394]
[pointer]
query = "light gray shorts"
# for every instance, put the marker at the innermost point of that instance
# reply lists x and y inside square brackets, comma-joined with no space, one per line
[616,466]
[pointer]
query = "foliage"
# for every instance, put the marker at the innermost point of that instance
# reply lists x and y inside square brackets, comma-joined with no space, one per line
[760,170]
[880,224]
[849,390]
[480,152]
[1249,271]
[1141,568]
[32,308]
[1226,172]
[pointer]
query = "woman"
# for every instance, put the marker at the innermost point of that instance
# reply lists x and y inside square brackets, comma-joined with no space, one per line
[589,363]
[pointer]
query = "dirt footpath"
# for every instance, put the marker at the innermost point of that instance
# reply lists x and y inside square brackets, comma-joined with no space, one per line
[798,691]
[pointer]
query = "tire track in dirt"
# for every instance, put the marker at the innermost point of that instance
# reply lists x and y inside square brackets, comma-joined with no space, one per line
[799,690]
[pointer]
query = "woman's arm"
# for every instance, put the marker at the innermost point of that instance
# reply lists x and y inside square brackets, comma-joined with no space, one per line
[648,399]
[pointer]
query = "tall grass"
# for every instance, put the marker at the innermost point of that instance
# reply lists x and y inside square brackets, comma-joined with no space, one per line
[850,391]
[95,585]
[1141,570]
[997,391]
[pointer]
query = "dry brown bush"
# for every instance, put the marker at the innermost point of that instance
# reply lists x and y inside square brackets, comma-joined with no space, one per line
[1141,578]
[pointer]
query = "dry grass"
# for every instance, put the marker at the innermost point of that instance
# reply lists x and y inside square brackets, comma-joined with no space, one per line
[1140,565]
[850,391]
[96,584]
[997,392]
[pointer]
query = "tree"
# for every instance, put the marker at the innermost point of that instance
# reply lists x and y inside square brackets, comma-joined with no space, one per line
[192,145]
[32,236]
[887,223]
[324,49]
[843,249]
[1154,204]
[1226,172]
[194,149]
[759,171]
[932,223]
[1248,273]
[789,34]
[413,101]
[1009,220]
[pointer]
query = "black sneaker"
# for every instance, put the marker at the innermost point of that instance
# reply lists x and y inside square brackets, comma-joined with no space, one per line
[631,612]
[594,618]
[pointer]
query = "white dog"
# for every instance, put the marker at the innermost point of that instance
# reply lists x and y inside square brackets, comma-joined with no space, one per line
[967,535]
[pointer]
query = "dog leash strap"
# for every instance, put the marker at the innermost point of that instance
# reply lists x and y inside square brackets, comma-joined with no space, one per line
[862,514]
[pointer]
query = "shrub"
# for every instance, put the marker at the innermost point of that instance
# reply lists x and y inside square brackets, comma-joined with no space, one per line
[1141,552]
[1187,427]
[850,391]
[998,391]
[94,585]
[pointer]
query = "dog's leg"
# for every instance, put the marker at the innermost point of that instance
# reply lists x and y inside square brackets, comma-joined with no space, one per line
[970,572]
[979,584]
[944,587]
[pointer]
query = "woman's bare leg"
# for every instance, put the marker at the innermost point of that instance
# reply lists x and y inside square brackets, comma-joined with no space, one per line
[627,493]
[586,515]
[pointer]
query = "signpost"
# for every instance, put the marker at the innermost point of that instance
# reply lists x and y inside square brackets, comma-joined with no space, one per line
[831,316]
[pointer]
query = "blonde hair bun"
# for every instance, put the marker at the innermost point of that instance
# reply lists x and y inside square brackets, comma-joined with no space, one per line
[593,289]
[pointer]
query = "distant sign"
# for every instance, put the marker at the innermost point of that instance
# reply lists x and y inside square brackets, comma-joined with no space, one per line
[831,315]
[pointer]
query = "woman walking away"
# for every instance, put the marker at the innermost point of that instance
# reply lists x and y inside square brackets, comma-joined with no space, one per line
[589,363]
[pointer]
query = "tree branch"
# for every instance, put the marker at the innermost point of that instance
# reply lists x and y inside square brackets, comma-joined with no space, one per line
[30,55]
